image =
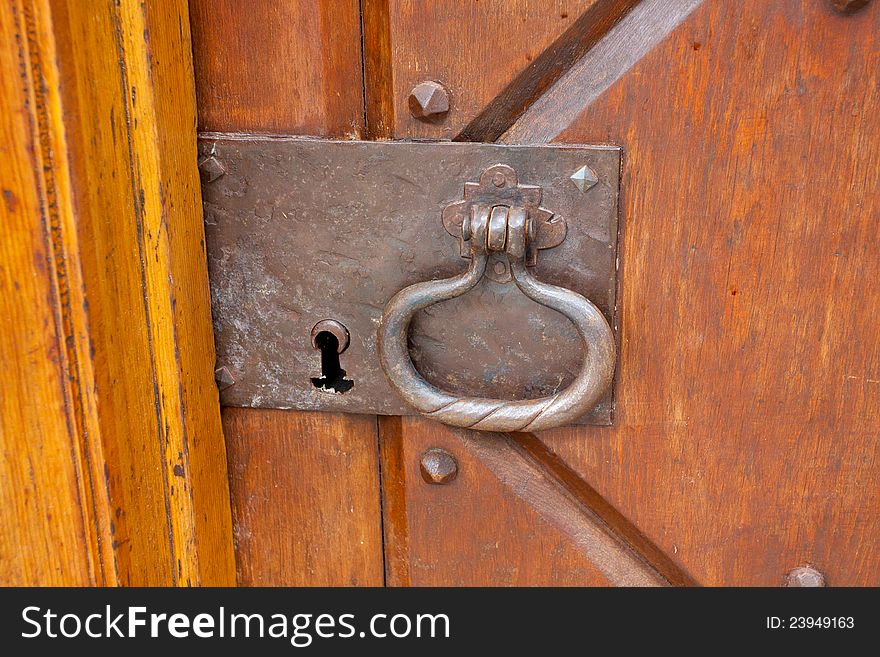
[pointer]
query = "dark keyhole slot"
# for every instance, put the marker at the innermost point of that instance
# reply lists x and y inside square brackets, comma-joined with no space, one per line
[332,375]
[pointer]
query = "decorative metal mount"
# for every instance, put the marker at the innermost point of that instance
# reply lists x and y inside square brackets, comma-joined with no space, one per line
[499,186]
[308,240]
[512,230]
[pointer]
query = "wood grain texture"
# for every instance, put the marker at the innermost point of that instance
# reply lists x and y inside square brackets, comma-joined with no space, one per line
[749,394]
[104,104]
[475,49]
[518,515]
[48,518]
[300,516]
[279,67]
[505,520]
[545,69]
[309,83]
[619,49]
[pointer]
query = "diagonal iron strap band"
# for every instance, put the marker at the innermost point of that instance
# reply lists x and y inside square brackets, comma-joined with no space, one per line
[495,229]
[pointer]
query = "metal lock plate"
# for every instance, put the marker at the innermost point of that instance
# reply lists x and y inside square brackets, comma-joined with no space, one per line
[303,230]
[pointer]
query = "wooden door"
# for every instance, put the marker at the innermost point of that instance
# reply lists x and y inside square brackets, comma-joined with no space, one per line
[747,396]
[113,468]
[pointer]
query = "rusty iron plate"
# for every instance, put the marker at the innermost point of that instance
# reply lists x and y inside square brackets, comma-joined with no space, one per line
[304,230]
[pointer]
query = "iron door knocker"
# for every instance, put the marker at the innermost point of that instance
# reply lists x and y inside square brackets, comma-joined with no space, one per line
[499,215]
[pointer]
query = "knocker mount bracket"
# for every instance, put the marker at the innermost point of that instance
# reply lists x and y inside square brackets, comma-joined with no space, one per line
[499,187]
[305,231]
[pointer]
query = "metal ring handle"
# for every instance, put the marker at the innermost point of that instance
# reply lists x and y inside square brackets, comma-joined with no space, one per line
[497,414]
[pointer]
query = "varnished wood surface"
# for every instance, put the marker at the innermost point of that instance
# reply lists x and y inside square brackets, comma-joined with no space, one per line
[305,486]
[112,444]
[514,517]
[47,522]
[305,491]
[475,49]
[744,436]
[279,67]
[748,402]
[505,520]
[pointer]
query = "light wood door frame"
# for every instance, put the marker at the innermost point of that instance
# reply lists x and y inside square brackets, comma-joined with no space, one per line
[113,466]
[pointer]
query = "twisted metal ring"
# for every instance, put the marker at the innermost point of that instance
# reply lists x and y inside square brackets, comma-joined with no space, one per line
[497,414]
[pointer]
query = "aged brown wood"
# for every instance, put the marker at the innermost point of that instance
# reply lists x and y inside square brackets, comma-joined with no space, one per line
[292,67]
[503,520]
[612,57]
[491,499]
[279,67]
[749,397]
[593,22]
[488,55]
[301,517]
[848,6]
[114,465]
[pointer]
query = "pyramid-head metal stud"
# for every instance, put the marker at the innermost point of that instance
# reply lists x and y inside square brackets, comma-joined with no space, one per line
[438,466]
[804,577]
[223,377]
[584,178]
[210,168]
[429,101]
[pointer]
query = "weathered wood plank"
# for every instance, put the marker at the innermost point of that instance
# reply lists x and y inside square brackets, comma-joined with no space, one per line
[279,67]
[305,493]
[100,110]
[749,392]
[293,67]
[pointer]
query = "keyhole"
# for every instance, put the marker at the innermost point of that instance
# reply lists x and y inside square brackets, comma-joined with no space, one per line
[332,376]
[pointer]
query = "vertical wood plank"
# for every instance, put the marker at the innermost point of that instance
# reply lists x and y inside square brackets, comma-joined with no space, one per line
[279,67]
[315,524]
[47,528]
[305,486]
[105,93]
[749,392]
[509,510]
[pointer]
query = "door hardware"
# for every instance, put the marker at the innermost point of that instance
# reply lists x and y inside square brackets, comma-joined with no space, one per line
[499,215]
[332,339]
[438,466]
[302,230]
